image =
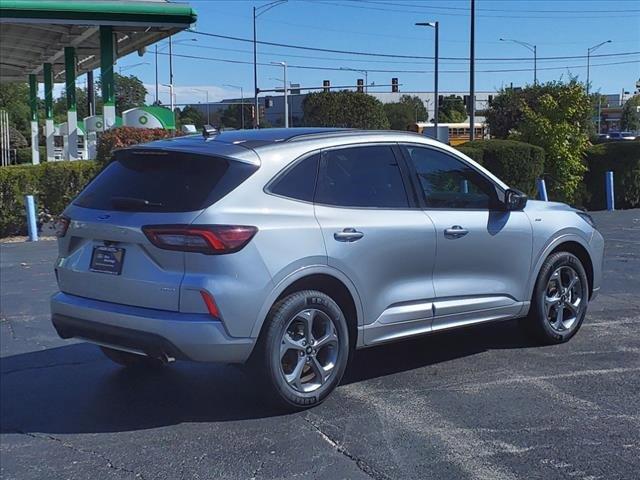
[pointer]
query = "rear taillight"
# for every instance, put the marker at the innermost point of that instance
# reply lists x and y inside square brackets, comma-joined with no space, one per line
[61,226]
[207,239]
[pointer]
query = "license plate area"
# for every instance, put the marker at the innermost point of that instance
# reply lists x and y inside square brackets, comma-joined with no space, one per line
[106,259]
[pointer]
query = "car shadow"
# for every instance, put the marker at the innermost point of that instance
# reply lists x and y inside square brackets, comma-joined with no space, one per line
[74,389]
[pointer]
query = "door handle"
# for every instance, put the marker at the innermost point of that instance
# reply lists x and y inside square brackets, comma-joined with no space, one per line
[348,235]
[455,232]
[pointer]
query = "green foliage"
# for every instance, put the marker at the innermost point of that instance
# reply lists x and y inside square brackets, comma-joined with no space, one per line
[452,110]
[231,117]
[54,185]
[23,155]
[555,116]
[630,119]
[623,159]
[14,99]
[125,136]
[190,116]
[344,109]
[517,164]
[407,111]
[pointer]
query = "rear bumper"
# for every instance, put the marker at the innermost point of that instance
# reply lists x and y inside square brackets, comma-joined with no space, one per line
[157,333]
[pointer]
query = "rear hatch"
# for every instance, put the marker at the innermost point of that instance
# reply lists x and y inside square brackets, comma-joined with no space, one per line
[105,255]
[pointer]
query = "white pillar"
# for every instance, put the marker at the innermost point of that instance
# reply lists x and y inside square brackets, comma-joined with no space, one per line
[72,136]
[49,140]
[35,150]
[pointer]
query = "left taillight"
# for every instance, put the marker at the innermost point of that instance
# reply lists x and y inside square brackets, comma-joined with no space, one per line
[207,239]
[61,226]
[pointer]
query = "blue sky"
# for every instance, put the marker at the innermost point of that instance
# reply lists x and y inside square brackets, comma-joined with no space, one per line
[558,28]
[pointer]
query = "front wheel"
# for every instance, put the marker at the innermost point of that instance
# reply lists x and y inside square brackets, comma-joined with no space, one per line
[560,298]
[305,349]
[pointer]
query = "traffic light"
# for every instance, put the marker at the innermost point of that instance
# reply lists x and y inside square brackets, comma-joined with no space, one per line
[394,85]
[325,85]
[268,102]
[360,87]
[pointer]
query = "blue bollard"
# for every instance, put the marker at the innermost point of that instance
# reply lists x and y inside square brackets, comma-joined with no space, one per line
[611,203]
[32,226]
[542,189]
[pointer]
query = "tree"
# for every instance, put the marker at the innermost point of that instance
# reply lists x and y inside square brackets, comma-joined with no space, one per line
[14,99]
[344,109]
[630,119]
[452,110]
[190,116]
[407,111]
[557,118]
[130,92]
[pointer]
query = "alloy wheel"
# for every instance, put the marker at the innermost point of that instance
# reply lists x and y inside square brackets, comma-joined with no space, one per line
[563,298]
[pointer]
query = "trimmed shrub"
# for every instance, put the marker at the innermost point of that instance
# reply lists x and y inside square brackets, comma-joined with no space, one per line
[125,136]
[623,159]
[518,164]
[54,185]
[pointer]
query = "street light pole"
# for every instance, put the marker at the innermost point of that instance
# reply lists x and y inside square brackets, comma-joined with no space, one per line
[286,98]
[364,72]
[156,74]
[171,76]
[532,48]
[257,11]
[589,52]
[472,74]
[436,27]
[241,100]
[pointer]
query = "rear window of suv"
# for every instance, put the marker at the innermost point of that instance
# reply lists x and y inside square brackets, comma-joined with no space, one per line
[163,181]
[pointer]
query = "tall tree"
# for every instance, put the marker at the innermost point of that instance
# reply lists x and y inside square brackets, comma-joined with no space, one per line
[130,92]
[14,99]
[191,116]
[409,110]
[344,109]
[631,114]
[452,110]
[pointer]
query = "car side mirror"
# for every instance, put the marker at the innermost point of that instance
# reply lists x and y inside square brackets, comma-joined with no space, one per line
[514,200]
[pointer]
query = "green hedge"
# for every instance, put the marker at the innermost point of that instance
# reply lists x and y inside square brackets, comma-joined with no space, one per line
[53,184]
[623,159]
[23,155]
[518,164]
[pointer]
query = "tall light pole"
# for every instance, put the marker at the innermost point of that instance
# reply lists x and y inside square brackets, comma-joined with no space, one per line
[364,72]
[257,11]
[531,48]
[241,100]
[436,26]
[170,45]
[286,98]
[206,92]
[129,67]
[589,52]
[472,74]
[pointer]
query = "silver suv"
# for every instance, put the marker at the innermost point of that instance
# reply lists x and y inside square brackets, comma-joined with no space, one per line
[290,248]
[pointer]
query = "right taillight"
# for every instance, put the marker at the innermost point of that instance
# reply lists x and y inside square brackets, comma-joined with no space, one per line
[207,239]
[61,226]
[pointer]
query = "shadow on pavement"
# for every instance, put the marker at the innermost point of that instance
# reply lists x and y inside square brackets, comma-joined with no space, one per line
[74,389]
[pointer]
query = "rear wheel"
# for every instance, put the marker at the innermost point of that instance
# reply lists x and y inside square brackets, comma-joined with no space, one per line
[305,349]
[560,298]
[131,360]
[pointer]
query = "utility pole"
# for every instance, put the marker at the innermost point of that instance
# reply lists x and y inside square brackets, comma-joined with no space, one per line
[286,98]
[472,75]
[436,107]
[171,78]
[156,75]
[589,52]
[257,11]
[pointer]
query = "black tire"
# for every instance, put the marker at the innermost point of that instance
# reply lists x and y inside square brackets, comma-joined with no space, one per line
[131,360]
[268,363]
[537,322]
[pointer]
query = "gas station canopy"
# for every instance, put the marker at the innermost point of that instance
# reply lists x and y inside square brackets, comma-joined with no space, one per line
[35,32]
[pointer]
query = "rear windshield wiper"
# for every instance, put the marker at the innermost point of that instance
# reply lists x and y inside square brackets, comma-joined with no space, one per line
[131,203]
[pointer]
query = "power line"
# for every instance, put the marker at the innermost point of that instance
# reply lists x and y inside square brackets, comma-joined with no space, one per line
[396,55]
[338,69]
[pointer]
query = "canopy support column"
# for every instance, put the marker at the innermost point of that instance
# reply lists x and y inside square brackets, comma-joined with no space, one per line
[107,77]
[48,109]
[72,109]
[33,103]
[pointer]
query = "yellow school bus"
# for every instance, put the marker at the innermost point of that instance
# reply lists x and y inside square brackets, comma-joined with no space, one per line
[458,132]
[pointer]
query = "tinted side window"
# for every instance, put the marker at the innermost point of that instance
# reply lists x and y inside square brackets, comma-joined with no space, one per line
[361,177]
[298,182]
[450,183]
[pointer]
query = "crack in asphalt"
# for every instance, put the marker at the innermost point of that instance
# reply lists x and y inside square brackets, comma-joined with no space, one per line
[359,462]
[51,365]
[70,446]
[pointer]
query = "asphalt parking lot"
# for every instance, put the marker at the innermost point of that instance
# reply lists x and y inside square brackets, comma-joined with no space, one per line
[480,403]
